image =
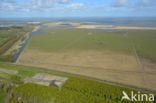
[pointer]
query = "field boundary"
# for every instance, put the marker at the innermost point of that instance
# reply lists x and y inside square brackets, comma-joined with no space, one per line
[89,78]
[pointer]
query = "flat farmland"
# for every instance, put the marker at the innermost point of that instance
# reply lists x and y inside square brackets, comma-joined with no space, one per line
[10,38]
[125,57]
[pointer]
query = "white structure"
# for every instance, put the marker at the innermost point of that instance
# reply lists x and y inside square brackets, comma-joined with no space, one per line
[47,80]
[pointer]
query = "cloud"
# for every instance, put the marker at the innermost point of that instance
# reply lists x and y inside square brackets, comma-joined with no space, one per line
[135,5]
[120,3]
[147,3]
[7,5]
[77,6]
[31,5]
[45,4]
[8,1]
[49,2]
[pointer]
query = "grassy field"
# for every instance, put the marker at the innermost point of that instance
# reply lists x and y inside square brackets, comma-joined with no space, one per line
[77,89]
[144,43]
[77,39]
[102,54]
[3,96]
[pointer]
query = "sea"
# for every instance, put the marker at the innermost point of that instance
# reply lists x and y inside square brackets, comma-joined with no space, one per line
[117,21]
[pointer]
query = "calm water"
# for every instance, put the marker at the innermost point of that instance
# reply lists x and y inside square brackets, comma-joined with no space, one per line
[137,21]
[39,31]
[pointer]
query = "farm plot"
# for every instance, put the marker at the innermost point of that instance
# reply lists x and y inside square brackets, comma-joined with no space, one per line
[77,89]
[10,38]
[125,57]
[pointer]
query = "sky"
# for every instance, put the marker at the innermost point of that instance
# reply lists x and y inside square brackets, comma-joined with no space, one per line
[77,8]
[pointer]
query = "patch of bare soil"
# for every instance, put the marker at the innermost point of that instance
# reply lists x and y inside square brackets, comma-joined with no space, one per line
[149,69]
[11,72]
[109,66]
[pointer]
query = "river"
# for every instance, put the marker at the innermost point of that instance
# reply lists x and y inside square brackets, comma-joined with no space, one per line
[25,42]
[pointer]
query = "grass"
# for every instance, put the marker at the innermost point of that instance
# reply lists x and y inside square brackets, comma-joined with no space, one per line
[117,56]
[76,90]
[73,92]
[90,92]
[77,39]
[144,43]
[3,96]
[34,92]
[73,39]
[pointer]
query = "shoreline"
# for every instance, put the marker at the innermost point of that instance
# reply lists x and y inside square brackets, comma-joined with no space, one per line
[112,27]
[15,49]
[23,44]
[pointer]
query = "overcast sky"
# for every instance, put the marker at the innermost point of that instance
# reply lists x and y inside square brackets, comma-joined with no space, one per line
[77,8]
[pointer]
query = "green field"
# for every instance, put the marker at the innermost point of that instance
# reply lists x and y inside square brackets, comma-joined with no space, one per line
[76,90]
[75,39]
[3,96]
[88,58]
[101,54]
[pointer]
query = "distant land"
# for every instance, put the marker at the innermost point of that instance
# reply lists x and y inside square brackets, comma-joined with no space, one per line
[117,21]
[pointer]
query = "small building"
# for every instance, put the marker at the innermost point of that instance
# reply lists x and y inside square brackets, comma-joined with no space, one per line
[47,80]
